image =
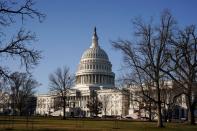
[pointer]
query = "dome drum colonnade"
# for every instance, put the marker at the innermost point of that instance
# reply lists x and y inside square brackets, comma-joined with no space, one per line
[95,79]
[95,67]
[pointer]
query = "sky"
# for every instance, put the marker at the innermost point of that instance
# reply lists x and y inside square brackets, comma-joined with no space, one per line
[67,30]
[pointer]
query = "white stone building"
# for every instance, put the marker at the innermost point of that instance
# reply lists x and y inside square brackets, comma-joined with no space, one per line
[45,104]
[94,74]
[114,102]
[4,102]
[138,108]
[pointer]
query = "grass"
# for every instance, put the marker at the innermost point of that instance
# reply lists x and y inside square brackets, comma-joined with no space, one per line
[56,124]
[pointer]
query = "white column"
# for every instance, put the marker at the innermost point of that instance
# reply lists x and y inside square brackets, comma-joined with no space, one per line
[91,78]
[85,79]
[88,79]
[82,79]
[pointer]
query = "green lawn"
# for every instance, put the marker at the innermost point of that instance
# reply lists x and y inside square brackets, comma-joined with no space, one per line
[56,124]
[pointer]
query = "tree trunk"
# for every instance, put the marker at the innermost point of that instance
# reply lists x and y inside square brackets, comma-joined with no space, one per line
[150,113]
[165,115]
[105,112]
[20,110]
[169,115]
[64,108]
[191,116]
[191,108]
[159,121]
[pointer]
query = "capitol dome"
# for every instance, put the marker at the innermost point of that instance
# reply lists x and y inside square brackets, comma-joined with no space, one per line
[95,53]
[94,68]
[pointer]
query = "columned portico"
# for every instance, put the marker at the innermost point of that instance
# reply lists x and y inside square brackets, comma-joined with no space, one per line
[94,79]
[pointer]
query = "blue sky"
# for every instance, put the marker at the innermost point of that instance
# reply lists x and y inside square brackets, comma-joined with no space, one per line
[67,29]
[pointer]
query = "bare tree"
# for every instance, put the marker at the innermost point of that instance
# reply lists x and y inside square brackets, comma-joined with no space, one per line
[22,92]
[3,93]
[60,83]
[94,104]
[17,48]
[145,105]
[183,67]
[149,55]
[170,97]
[4,98]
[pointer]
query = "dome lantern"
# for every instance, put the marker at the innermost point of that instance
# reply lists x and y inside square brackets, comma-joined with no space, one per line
[94,39]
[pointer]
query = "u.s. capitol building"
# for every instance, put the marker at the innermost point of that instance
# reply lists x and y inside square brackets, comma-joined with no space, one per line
[94,74]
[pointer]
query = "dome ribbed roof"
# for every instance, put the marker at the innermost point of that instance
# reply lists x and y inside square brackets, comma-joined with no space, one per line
[95,52]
